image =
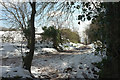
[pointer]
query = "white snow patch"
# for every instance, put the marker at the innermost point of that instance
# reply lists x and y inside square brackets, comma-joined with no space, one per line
[49,50]
[8,71]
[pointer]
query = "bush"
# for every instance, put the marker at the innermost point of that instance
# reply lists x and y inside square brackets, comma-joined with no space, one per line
[71,35]
[59,35]
[53,34]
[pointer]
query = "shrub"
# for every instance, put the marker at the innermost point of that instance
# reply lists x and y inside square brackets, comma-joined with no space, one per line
[71,35]
[53,34]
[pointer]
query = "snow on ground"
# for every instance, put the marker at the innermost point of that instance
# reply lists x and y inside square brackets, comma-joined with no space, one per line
[11,36]
[11,50]
[65,64]
[8,71]
[75,62]
[70,46]
[49,50]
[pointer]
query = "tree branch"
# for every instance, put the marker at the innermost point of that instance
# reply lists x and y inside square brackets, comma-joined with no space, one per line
[30,4]
[94,5]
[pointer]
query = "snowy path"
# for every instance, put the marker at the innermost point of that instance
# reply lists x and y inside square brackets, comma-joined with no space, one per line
[66,64]
[76,64]
[69,64]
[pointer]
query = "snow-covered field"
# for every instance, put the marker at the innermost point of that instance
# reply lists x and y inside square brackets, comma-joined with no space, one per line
[76,62]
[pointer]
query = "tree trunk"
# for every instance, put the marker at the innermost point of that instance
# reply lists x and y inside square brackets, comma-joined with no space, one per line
[29,56]
[28,43]
[112,68]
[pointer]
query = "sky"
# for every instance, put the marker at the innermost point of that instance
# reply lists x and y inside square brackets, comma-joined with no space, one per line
[71,23]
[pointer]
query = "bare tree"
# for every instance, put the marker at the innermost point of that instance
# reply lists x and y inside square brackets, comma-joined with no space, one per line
[23,14]
[18,13]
